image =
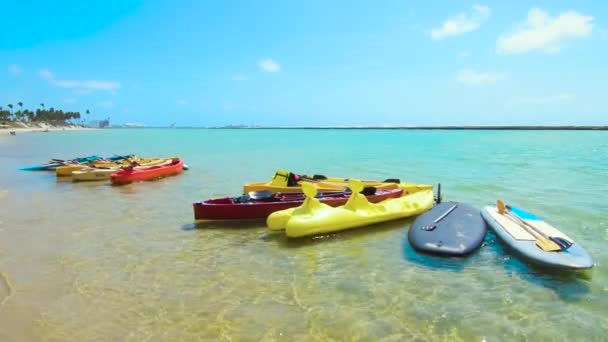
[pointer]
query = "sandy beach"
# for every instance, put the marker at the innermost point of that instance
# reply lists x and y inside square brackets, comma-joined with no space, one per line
[40,127]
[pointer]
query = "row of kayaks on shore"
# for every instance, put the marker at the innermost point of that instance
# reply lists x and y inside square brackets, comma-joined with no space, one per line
[300,206]
[118,169]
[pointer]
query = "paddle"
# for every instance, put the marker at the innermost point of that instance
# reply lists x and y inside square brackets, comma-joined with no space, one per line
[563,243]
[542,241]
[432,226]
[62,161]
[75,160]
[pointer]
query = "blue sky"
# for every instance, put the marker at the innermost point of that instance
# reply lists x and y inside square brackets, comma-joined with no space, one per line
[309,62]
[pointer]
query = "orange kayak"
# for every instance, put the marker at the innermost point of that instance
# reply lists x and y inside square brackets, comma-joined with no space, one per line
[130,174]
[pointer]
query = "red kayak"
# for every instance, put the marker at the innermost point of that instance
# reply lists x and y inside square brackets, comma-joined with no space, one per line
[133,174]
[245,207]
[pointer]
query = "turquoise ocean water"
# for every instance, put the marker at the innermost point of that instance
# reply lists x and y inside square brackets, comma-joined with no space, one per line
[84,262]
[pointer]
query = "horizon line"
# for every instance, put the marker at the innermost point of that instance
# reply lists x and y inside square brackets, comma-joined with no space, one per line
[450,127]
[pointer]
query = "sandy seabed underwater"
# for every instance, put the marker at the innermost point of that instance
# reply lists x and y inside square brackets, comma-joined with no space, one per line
[90,261]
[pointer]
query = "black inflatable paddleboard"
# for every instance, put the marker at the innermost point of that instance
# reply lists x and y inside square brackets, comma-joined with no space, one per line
[449,228]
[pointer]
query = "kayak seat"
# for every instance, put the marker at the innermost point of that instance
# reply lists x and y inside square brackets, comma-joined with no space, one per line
[242,199]
[248,199]
[284,178]
[368,191]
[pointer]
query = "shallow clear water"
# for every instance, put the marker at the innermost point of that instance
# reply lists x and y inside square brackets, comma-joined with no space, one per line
[82,262]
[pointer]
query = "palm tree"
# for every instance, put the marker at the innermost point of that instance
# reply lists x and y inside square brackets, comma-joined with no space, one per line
[20,112]
[10,106]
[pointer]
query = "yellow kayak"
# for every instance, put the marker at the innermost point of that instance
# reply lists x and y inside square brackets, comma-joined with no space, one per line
[287,182]
[98,174]
[67,170]
[314,217]
[92,174]
[269,186]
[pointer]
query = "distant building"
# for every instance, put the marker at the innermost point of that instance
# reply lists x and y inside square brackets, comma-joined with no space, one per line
[100,123]
[134,125]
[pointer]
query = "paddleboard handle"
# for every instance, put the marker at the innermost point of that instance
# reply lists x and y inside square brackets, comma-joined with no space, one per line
[432,226]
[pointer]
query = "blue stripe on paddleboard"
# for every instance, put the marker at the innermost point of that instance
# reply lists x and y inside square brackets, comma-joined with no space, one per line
[524,215]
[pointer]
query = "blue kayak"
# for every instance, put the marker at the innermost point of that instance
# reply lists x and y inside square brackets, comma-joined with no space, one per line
[56,163]
[521,241]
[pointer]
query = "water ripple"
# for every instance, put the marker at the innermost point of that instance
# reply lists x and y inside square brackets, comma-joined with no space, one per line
[96,262]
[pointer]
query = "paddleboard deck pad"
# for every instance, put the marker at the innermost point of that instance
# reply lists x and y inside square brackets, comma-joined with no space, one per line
[524,244]
[460,232]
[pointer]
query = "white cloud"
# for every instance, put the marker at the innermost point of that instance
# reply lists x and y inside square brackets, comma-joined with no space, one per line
[181,102]
[14,69]
[82,87]
[46,74]
[69,100]
[559,98]
[471,77]
[543,32]
[462,23]
[239,77]
[270,65]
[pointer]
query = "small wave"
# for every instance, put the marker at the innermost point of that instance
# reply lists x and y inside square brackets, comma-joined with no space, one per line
[6,290]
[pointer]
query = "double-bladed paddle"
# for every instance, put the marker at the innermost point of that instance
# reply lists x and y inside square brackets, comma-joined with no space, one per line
[544,242]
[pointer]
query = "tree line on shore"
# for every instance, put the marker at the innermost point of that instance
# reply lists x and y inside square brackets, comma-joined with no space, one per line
[41,114]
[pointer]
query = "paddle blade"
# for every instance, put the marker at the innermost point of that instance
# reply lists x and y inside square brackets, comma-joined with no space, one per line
[548,245]
[563,243]
[500,205]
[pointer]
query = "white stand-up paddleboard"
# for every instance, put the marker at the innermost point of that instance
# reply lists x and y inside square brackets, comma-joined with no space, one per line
[524,243]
